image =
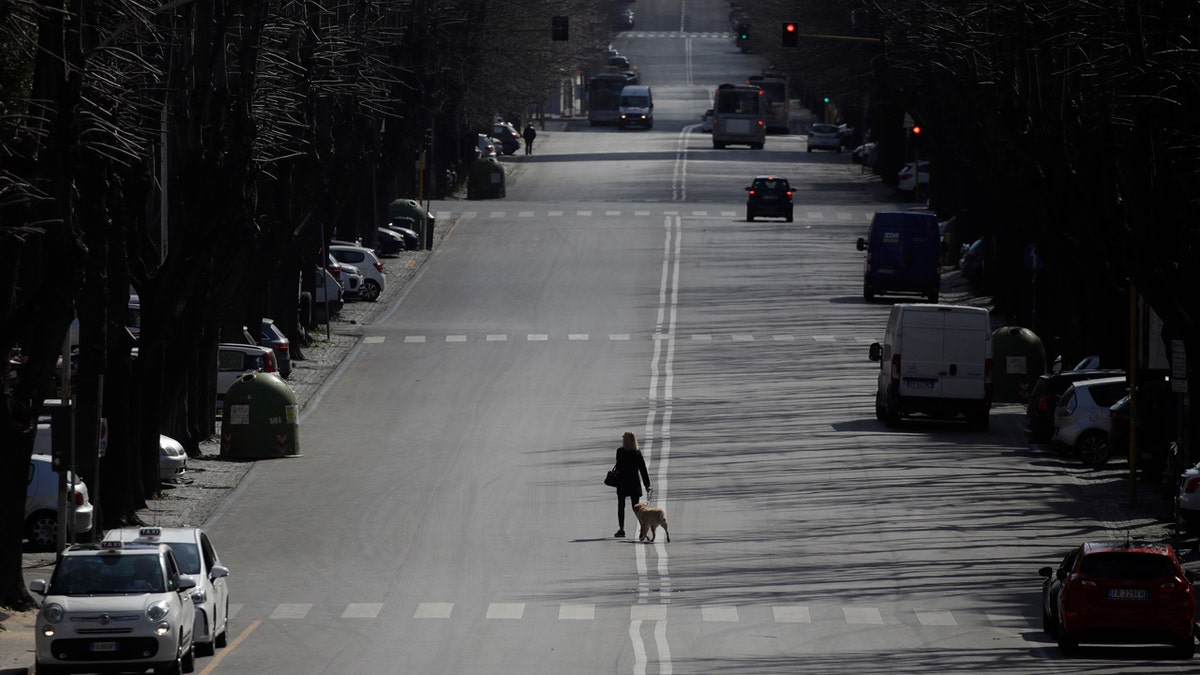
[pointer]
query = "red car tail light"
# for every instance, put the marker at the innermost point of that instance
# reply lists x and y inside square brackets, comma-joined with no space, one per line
[269,361]
[1192,484]
[895,369]
[1044,403]
[789,195]
[378,265]
[76,497]
[753,192]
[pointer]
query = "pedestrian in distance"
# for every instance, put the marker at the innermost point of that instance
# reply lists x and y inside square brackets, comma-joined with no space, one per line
[630,463]
[530,133]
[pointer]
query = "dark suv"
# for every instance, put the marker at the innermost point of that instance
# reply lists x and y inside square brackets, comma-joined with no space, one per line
[769,196]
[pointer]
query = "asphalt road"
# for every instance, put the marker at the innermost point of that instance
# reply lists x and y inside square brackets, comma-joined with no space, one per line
[447,514]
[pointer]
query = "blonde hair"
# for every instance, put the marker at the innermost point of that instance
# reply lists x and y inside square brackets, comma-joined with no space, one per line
[629,441]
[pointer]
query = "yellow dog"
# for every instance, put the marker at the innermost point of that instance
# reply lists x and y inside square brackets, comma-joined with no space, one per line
[650,519]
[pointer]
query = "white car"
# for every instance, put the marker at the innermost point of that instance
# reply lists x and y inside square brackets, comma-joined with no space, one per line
[368,266]
[706,121]
[1189,497]
[907,179]
[1082,420]
[41,502]
[172,458]
[115,605]
[824,137]
[197,560]
[235,359]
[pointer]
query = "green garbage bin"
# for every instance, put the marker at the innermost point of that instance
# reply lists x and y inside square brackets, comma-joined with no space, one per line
[1018,359]
[423,221]
[260,418]
[486,179]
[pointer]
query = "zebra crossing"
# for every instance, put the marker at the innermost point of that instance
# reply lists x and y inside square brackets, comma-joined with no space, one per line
[690,35]
[846,615]
[812,215]
[626,337]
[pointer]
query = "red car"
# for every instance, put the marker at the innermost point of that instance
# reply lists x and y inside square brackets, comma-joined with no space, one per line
[1120,592]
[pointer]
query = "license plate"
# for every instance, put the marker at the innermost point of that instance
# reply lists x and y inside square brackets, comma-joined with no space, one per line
[769,198]
[103,646]
[919,384]
[1127,594]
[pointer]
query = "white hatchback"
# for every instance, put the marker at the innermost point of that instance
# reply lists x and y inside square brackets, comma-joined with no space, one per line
[41,503]
[1082,420]
[824,137]
[198,560]
[115,606]
[373,282]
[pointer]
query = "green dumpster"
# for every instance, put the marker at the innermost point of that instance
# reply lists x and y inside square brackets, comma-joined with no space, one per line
[260,418]
[423,221]
[486,179]
[1018,359]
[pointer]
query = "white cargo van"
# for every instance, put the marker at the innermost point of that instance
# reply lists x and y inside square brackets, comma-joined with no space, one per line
[636,107]
[935,360]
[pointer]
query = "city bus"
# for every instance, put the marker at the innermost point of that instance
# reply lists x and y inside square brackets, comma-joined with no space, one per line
[604,98]
[775,87]
[739,116]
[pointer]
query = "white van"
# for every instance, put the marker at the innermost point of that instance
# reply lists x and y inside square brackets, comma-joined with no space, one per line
[936,360]
[636,107]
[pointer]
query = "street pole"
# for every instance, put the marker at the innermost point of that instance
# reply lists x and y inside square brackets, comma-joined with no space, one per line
[1133,392]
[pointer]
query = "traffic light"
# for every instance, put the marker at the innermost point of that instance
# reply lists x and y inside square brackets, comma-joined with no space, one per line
[558,28]
[743,32]
[916,130]
[789,34]
[825,100]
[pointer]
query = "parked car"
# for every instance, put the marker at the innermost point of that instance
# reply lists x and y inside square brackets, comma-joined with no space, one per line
[236,359]
[327,300]
[389,242]
[509,137]
[198,560]
[406,227]
[485,146]
[625,19]
[1082,421]
[1043,399]
[1189,498]
[907,180]
[769,196]
[368,265]
[41,503]
[272,337]
[972,263]
[865,154]
[116,607]
[904,252]
[352,279]
[706,121]
[172,458]
[824,137]
[1119,591]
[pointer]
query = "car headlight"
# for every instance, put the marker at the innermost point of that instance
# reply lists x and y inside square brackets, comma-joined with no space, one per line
[53,612]
[199,596]
[158,610]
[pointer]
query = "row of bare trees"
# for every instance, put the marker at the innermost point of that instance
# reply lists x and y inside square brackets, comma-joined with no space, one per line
[203,153]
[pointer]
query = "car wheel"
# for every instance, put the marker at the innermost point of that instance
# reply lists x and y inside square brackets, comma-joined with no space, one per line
[978,420]
[1067,643]
[789,217]
[173,668]
[42,669]
[370,290]
[1093,448]
[749,216]
[756,146]
[1047,622]
[221,639]
[932,297]
[891,413]
[868,294]
[718,146]
[41,528]
[204,648]
[188,663]
[878,408]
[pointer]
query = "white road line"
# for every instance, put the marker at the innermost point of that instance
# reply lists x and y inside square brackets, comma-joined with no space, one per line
[362,610]
[497,337]
[291,610]
[414,338]
[791,614]
[506,610]
[719,613]
[862,615]
[434,610]
[373,340]
[935,617]
[577,336]
[576,612]
[456,338]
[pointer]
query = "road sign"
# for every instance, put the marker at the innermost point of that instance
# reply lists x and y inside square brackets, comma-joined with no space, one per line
[1034,260]
[103,445]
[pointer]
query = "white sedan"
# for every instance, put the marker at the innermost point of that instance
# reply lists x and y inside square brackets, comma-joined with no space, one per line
[198,561]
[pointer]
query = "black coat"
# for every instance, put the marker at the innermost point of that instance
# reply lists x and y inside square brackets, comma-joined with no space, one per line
[629,464]
[529,134]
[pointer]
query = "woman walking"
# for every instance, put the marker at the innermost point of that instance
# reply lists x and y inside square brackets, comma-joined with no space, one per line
[629,464]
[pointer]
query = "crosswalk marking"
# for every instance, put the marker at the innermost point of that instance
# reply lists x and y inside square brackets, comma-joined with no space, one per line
[433,610]
[362,610]
[414,338]
[506,610]
[537,337]
[577,336]
[862,615]
[648,613]
[742,337]
[373,339]
[625,337]
[935,617]
[576,612]
[291,610]
[456,338]
[497,337]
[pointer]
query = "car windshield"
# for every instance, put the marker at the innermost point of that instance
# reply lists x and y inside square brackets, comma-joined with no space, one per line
[1127,565]
[635,101]
[824,129]
[107,575]
[771,184]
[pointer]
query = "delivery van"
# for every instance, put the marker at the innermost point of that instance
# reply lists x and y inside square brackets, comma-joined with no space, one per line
[935,360]
[636,107]
[903,255]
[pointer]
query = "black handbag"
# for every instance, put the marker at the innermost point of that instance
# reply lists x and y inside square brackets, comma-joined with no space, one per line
[612,479]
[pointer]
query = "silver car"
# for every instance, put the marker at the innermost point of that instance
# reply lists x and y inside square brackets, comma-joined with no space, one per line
[824,137]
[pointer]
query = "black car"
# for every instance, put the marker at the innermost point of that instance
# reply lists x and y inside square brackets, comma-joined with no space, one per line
[509,137]
[273,338]
[389,242]
[404,226]
[769,196]
[1043,399]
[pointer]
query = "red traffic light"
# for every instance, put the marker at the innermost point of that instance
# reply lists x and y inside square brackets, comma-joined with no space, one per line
[916,130]
[789,27]
[789,35]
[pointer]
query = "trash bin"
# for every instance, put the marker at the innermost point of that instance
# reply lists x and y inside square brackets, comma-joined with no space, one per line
[259,418]
[486,179]
[1018,359]
[422,220]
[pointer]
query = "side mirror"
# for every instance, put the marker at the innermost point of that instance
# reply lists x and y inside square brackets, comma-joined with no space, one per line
[875,352]
[1046,572]
[217,572]
[38,586]
[861,244]
[747,188]
[1061,574]
[186,583]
